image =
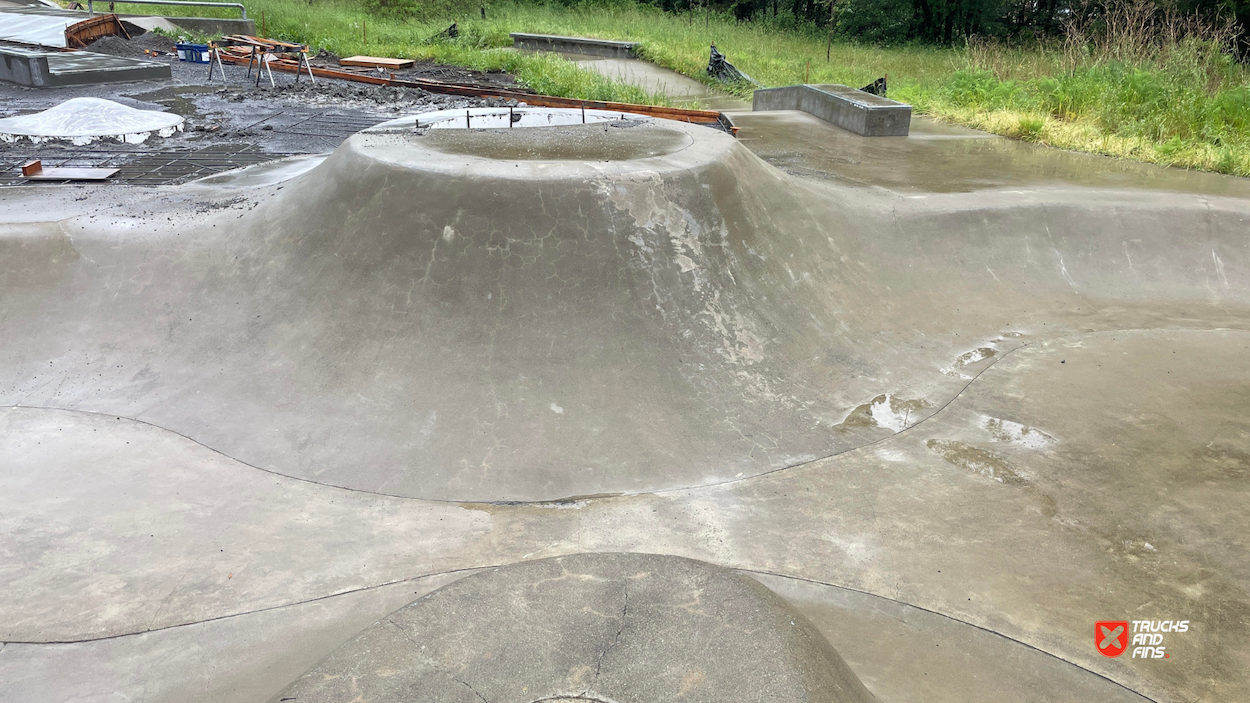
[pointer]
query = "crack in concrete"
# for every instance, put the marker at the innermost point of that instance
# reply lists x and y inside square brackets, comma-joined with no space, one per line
[621,630]
[944,616]
[617,639]
[449,675]
[661,491]
[523,502]
[467,685]
[256,611]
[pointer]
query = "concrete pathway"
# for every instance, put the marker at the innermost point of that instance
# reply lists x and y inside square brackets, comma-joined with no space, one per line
[685,91]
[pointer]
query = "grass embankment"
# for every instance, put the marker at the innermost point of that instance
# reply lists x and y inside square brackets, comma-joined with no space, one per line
[1141,95]
[344,28]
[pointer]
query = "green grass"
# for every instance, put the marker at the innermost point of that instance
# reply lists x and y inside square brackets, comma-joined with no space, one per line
[342,27]
[1184,104]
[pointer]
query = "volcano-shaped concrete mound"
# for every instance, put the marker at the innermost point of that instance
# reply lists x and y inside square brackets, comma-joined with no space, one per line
[589,627]
[584,316]
[535,314]
[597,312]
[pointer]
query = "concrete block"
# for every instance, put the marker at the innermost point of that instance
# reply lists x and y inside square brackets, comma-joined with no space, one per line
[28,68]
[40,69]
[575,45]
[854,110]
[77,67]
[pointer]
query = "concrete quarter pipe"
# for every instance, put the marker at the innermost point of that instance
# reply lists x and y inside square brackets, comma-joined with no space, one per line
[1014,412]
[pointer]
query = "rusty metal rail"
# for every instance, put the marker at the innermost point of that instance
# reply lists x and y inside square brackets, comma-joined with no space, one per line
[707,117]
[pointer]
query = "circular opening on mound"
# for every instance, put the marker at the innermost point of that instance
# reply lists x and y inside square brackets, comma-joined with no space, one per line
[606,141]
[540,134]
[505,118]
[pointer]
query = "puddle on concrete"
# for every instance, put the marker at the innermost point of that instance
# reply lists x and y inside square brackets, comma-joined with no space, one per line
[572,143]
[886,411]
[976,460]
[1015,433]
[968,358]
[179,99]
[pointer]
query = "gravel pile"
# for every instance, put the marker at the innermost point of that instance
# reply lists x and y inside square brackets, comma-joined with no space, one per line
[117,46]
[392,97]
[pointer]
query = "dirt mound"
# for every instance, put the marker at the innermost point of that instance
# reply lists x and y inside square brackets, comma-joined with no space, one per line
[343,91]
[118,46]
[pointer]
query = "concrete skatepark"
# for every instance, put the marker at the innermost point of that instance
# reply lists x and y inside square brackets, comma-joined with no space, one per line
[951,399]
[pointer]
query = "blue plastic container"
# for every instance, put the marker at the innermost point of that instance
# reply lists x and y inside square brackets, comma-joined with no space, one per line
[195,53]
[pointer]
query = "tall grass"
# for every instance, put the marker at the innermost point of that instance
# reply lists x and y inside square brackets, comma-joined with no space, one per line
[1133,82]
[1141,83]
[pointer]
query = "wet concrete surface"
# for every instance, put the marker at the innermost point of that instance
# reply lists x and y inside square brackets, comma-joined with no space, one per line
[944,158]
[603,142]
[954,412]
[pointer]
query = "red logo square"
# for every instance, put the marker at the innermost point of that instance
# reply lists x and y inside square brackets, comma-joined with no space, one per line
[1111,637]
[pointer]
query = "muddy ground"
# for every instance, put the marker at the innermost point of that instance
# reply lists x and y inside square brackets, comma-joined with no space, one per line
[290,117]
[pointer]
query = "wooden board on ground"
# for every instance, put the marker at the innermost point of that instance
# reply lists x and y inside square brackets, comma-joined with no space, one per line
[72,174]
[376,62]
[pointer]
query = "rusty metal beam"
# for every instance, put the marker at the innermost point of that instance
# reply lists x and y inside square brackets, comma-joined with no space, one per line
[708,117]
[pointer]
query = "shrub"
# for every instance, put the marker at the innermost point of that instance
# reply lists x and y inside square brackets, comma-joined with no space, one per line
[1030,128]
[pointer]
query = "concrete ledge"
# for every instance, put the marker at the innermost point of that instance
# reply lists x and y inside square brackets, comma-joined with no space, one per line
[77,67]
[854,110]
[28,68]
[40,69]
[575,45]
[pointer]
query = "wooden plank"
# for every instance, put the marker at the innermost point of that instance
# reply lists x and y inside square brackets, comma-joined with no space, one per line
[376,62]
[72,174]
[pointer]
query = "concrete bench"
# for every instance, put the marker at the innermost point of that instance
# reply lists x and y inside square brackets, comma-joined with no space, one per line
[575,45]
[854,110]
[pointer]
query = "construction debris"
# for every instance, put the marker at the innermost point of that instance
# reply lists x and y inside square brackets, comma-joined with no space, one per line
[877,87]
[450,33]
[78,36]
[719,68]
[84,120]
[34,171]
[237,55]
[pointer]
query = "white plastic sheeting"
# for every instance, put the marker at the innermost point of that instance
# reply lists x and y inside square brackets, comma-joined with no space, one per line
[48,30]
[83,120]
